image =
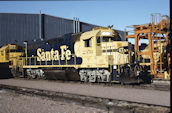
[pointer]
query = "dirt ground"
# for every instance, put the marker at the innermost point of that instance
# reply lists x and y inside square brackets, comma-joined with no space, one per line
[154,97]
[11,102]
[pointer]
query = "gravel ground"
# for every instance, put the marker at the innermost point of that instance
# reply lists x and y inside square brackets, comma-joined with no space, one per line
[128,94]
[11,102]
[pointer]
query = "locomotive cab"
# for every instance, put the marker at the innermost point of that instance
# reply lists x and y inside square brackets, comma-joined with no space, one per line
[101,47]
[102,51]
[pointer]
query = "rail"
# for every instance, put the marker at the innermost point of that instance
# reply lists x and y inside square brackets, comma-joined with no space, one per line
[33,61]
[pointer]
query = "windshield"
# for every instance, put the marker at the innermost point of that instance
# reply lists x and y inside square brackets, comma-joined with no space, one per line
[108,39]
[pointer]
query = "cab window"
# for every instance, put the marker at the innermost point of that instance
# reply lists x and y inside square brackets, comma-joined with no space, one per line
[98,40]
[7,51]
[88,42]
[2,53]
[106,39]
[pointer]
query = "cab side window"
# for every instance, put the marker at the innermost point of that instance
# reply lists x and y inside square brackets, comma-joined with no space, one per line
[88,43]
[98,40]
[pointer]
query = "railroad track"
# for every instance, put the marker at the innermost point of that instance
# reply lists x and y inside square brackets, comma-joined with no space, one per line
[111,105]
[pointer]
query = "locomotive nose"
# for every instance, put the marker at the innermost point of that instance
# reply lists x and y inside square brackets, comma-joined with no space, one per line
[117,50]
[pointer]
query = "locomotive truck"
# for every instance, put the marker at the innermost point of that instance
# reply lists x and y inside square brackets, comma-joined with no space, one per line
[98,55]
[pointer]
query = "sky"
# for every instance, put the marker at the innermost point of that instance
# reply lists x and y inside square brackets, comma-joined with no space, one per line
[119,13]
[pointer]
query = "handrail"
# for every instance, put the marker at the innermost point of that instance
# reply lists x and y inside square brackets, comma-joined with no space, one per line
[33,61]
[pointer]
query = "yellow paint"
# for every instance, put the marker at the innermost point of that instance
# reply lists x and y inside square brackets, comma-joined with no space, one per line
[119,45]
[8,54]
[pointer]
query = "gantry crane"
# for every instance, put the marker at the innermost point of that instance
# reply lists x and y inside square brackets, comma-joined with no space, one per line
[156,33]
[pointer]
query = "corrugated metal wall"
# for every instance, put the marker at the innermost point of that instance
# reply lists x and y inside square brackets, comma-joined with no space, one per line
[17,28]
[86,26]
[54,26]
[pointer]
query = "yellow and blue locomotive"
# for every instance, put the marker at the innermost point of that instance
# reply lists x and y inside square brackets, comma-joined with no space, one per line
[98,55]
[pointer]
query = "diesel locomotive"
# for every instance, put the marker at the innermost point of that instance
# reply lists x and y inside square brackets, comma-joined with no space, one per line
[98,55]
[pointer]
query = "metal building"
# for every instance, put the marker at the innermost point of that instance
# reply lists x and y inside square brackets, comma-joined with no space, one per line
[18,27]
